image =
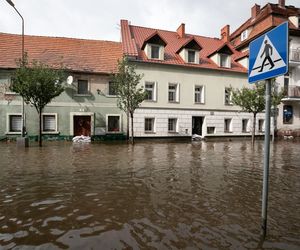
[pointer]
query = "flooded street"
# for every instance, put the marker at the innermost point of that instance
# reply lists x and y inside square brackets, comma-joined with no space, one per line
[155,195]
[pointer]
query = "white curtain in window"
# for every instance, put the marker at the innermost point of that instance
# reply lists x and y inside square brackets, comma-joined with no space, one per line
[49,123]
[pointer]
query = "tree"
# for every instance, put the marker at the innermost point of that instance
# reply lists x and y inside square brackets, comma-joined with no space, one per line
[252,100]
[38,84]
[130,96]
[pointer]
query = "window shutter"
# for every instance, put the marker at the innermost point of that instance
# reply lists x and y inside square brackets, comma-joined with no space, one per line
[49,123]
[15,123]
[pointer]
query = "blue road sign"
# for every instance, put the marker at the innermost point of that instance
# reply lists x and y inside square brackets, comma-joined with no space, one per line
[268,54]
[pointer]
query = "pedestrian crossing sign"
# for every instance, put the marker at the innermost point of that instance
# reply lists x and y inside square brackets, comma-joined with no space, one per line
[268,54]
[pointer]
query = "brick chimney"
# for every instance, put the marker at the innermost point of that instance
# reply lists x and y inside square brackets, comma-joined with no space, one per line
[225,33]
[181,30]
[281,3]
[255,11]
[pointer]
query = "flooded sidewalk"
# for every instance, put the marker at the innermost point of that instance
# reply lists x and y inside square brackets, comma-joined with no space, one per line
[153,195]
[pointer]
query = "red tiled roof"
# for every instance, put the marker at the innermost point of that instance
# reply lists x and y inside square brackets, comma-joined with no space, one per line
[268,17]
[209,45]
[75,54]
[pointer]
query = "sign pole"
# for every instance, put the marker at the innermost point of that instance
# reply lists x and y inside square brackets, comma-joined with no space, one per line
[266,159]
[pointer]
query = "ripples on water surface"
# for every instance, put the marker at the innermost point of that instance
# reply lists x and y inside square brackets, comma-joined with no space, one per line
[150,196]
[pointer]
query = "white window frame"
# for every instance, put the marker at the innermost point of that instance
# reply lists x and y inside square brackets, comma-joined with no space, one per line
[227,62]
[153,125]
[148,51]
[202,94]
[88,88]
[247,125]
[176,125]
[154,91]
[244,35]
[229,102]
[176,92]
[56,123]
[8,115]
[230,125]
[120,124]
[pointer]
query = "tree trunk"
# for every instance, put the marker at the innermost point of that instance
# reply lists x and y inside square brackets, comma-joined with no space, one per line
[132,135]
[40,130]
[253,129]
[127,132]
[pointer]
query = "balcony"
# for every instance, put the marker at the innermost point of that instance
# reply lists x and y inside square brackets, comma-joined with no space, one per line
[295,57]
[292,93]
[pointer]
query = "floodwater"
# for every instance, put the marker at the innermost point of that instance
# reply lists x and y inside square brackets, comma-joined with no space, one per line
[155,195]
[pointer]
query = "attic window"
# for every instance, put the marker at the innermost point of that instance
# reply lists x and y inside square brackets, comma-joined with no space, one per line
[244,35]
[154,51]
[224,61]
[191,56]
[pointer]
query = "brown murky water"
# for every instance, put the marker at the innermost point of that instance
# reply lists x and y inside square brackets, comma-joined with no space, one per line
[150,196]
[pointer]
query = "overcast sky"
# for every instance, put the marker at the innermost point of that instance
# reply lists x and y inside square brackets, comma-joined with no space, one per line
[96,19]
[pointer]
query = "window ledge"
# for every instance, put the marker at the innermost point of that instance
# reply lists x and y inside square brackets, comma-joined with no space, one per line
[10,93]
[113,132]
[50,132]
[173,132]
[150,101]
[111,96]
[82,95]
[176,102]
[228,104]
[149,132]
[13,133]
[201,103]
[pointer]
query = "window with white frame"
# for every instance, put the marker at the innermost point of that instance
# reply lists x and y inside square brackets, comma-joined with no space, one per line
[113,123]
[244,35]
[155,51]
[111,88]
[82,87]
[49,123]
[172,125]
[261,125]
[228,96]
[149,125]
[191,56]
[224,60]
[14,123]
[211,130]
[245,125]
[173,94]
[199,94]
[150,90]
[227,125]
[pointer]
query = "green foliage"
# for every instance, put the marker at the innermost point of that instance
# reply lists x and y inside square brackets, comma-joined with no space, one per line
[37,83]
[125,84]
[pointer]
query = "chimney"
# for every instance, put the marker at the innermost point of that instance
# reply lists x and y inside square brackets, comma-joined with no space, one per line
[225,33]
[181,30]
[255,11]
[281,3]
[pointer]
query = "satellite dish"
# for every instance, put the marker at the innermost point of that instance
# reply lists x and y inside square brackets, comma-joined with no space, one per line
[70,80]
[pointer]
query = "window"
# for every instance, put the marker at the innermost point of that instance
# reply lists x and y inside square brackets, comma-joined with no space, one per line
[150,91]
[14,123]
[261,125]
[245,125]
[227,125]
[210,130]
[82,87]
[224,61]
[149,125]
[228,96]
[172,125]
[154,51]
[49,123]
[199,94]
[244,35]
[113,123]
[173,93]
[191,56]
[287,114]
[111,89]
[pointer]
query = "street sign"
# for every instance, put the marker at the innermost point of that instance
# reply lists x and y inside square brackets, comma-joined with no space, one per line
[268,54]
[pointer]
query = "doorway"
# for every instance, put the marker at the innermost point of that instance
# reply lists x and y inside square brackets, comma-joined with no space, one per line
[82,125]
[197,122]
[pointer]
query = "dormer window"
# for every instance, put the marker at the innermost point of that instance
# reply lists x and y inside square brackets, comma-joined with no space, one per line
[154,51]
[224,60]
[244,35]
[191,56]
[154,46]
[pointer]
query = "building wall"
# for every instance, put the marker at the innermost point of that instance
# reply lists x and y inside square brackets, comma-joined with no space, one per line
[97,104]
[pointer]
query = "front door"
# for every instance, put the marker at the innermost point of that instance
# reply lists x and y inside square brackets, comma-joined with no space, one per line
[197,122]
[82,125]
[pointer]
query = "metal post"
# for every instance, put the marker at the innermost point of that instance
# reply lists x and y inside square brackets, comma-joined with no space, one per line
[266,159]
